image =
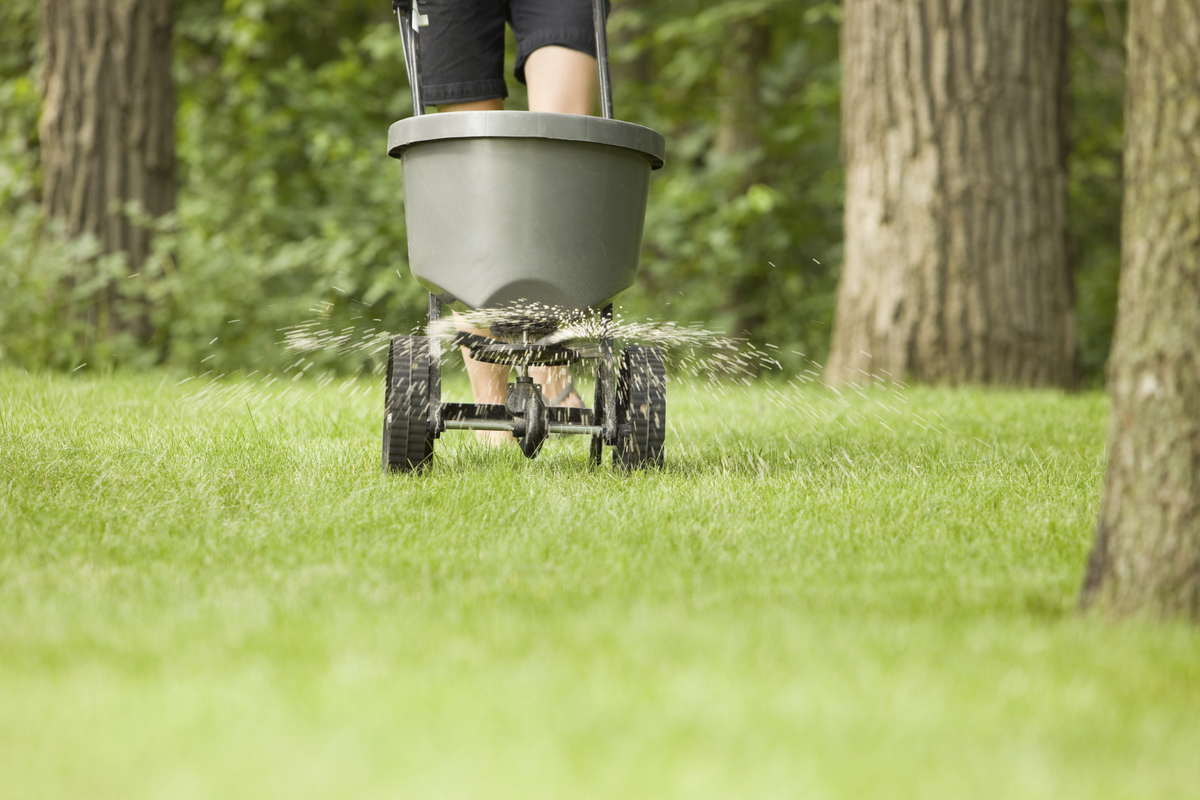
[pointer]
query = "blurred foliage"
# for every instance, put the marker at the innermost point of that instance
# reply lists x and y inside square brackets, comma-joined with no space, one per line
[287,202]
[1094,171]
[744,228]
[19,105]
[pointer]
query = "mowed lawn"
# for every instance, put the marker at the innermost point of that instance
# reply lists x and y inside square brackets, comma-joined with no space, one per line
[213,592]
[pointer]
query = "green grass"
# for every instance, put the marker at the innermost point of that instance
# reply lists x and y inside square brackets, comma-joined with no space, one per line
[216,594]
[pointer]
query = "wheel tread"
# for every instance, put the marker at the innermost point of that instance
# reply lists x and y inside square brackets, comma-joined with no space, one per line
[407,443]
[642,405]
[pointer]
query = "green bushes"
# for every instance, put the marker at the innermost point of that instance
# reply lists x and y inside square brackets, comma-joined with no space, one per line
[287,202]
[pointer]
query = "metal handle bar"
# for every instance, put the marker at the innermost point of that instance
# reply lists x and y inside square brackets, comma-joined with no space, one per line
[411,19]
[600,23]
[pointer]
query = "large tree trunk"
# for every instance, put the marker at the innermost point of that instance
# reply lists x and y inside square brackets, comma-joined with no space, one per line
[108,120]
[954,127]
[1146,557]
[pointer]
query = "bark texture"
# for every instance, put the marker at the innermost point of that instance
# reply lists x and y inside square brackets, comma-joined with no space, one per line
[108,118]
[956,265]
[1146,558]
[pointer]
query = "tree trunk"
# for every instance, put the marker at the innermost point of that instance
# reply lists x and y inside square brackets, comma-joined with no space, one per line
[738,104]
[954,127]
[1146,558]
[108,121]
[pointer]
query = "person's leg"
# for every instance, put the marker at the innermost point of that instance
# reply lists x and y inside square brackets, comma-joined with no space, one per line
[562,80]
[489,382]
[462,62]
[462,52]
[556,385]
[495,104]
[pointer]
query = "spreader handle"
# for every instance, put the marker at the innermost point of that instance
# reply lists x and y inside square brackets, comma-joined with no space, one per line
[410,19]
[599,22]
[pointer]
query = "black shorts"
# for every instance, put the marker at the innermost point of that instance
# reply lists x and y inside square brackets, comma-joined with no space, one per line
[462,47]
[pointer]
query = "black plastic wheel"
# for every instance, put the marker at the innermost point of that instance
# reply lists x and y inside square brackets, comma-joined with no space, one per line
[641,408]
[535,426]
[606,390]
[407,443]
[596,449]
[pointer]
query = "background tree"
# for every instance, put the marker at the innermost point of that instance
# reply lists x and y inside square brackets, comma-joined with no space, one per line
[1146,558]
[108,125]
[954,136]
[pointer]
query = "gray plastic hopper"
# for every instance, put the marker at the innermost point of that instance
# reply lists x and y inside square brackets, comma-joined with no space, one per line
[510,206]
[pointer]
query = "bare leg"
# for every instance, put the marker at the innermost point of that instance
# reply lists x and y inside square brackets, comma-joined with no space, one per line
[489,382]
[560,80]
[554,381]
[564,81]
[495,104]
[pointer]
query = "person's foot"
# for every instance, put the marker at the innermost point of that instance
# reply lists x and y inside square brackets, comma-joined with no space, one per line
[494,438]
[567,397]
[557,387]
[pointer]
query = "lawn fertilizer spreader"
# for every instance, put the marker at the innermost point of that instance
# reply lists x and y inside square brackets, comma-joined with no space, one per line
[540,217]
